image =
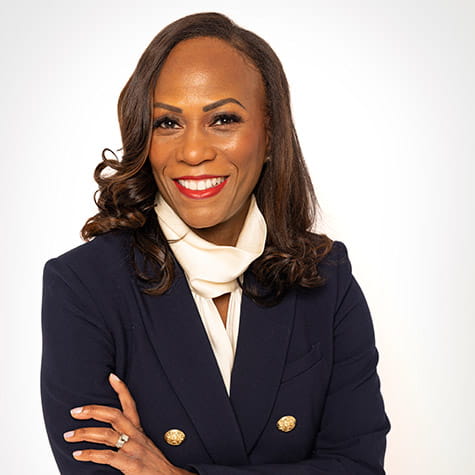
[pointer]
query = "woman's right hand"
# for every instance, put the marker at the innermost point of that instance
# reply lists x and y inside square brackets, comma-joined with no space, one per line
[138,455]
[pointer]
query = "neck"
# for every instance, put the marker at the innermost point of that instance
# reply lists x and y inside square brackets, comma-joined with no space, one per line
[226,233]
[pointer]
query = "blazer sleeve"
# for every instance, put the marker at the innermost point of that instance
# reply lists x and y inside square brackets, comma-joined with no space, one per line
[352,436]
[78,355]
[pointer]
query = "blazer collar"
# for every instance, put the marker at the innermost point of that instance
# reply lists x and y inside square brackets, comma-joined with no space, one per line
[228,426]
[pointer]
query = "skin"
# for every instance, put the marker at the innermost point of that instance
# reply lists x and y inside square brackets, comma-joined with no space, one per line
[200,140]
[139,455]
[202,135]
[198,73]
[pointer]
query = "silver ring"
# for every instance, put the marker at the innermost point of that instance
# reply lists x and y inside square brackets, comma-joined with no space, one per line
[123,438]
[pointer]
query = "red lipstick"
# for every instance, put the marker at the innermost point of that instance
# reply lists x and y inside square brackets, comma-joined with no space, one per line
[208,192]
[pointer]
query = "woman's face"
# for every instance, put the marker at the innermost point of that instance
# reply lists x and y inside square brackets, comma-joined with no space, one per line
[209,139]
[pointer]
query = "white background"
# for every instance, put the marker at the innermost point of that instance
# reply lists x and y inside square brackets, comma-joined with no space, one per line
[384,103]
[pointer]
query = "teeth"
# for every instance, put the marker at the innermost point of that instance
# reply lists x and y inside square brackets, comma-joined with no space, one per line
[201,185]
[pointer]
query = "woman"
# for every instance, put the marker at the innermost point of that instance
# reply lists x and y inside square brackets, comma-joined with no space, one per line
[245,342]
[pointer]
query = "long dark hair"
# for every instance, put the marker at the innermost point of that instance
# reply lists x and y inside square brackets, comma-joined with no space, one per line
[284,191]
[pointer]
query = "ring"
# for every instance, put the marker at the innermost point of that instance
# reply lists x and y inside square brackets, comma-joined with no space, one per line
[123,438]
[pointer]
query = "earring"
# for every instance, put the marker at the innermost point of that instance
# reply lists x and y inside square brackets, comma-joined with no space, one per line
[268,159]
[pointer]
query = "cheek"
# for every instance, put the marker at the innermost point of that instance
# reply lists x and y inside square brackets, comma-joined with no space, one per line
[247,150]
[157,172]
[155,169]
[157,157]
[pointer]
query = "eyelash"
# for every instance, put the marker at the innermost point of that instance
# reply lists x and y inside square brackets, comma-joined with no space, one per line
[157,123]
[232,118]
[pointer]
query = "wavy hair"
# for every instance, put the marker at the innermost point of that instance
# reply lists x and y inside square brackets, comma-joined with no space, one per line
[284,191]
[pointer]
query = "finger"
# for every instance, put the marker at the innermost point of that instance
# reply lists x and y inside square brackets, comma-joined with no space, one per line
[110,415]
[126,400]
[118,460]
[99,435]
[132,448]
[106,436]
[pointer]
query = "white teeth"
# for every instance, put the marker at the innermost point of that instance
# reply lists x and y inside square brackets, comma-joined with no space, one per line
[201,185]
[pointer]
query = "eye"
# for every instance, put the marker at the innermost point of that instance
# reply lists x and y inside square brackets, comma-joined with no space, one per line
[165,123]
[226,119]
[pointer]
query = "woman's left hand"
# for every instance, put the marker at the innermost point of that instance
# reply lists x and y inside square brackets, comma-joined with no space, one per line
[138,455]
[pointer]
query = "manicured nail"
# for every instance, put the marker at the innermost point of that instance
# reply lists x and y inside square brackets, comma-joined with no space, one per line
[76,410]
[68,434]
[77,453]
[114,377]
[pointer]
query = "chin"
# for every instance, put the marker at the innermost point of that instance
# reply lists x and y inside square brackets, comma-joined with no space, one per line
[200,222]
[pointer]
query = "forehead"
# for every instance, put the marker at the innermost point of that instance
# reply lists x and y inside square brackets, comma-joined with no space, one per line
[205,68]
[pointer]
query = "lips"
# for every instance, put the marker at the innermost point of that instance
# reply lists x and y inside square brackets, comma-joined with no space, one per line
[199,187]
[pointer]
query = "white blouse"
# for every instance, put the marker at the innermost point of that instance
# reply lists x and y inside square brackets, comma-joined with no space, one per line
[212,271]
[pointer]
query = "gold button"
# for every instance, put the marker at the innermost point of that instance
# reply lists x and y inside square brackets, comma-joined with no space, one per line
[286,423]
[174,436]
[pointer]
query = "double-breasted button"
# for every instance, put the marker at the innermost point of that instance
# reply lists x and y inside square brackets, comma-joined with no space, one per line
[286,423]
[174,436]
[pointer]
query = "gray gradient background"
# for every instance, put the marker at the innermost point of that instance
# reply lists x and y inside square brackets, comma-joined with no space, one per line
[384,102]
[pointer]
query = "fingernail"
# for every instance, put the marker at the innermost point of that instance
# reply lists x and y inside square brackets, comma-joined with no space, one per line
[68,434]
[76,410]
[114,377]
[77,453]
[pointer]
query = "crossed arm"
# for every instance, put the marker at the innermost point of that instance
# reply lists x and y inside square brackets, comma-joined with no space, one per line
[139,455]
[352,433]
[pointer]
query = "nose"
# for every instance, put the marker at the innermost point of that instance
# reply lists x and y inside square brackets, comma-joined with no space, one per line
[196,147]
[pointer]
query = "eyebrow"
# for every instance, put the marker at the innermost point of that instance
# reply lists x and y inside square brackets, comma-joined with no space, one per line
[207,108]
[221,102]
[167,106]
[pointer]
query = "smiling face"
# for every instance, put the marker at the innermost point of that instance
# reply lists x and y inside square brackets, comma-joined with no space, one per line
[209,139]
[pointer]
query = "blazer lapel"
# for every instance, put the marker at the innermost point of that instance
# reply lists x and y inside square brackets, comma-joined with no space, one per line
[264,336]
[184,351]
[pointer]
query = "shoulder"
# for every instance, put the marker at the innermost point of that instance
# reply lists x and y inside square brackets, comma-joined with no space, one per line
[340,296]
[337,259]
[90,283]
[104,246]
[324,252]
[337,254]
[335,269]
[105,254]
[336,263]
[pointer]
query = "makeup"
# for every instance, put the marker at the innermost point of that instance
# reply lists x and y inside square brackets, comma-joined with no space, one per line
[200,187]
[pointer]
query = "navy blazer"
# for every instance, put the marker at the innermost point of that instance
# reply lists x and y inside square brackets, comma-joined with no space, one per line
[312,356]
